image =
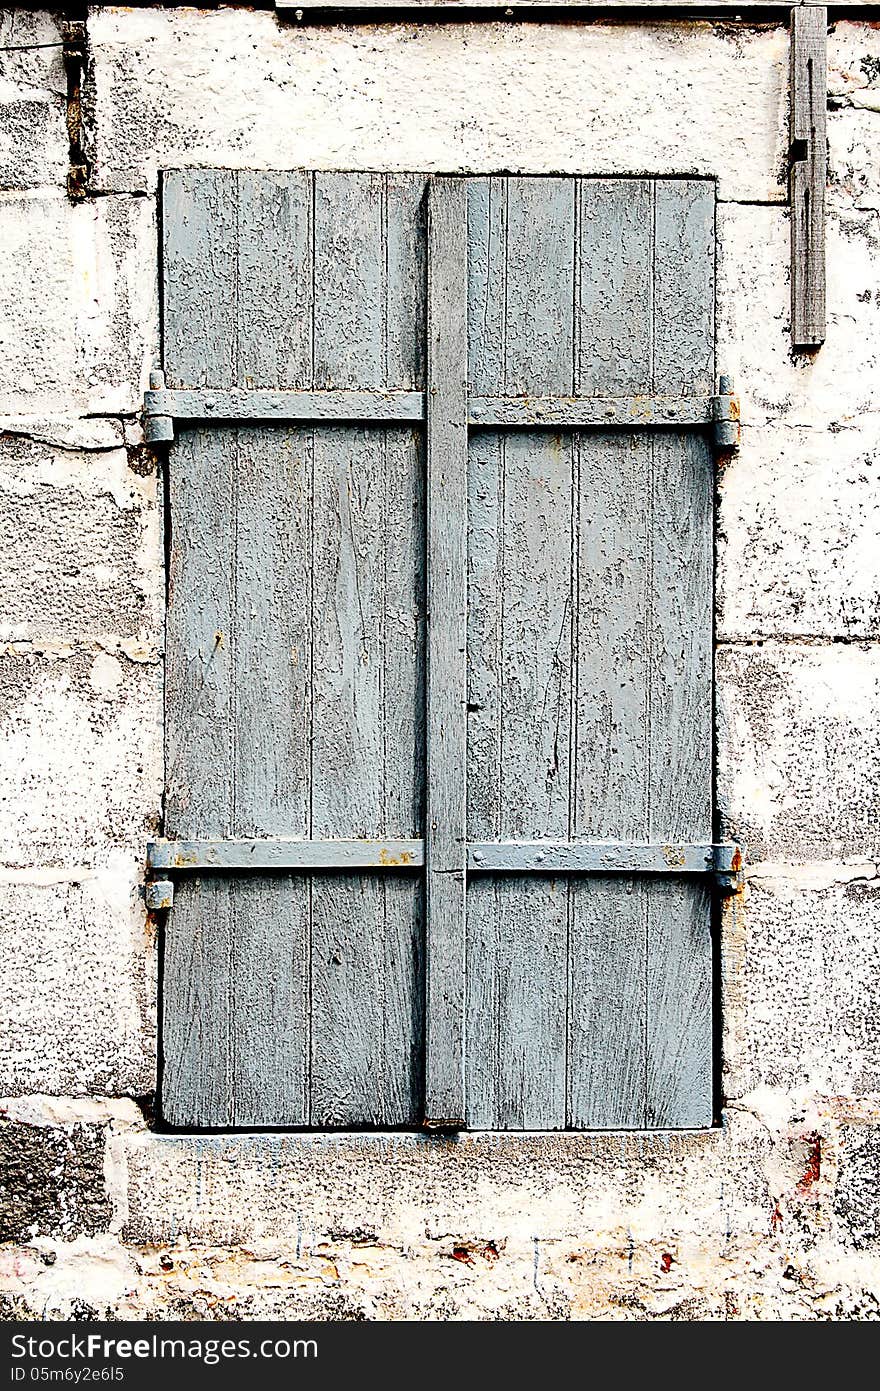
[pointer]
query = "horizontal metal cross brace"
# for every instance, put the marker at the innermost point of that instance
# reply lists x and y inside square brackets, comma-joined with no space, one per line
[535,856]
[171,855]
[162,406]
[599,857]
[574,411]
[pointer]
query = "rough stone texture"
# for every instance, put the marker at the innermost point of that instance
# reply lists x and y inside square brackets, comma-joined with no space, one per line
[239,88]
[799,753]
[78,972]
[811,977]
[78,303]
[775,1215]
[83,553]
[798,523]
[51,1181]
[855,1197]
[80,779]
[835,388]
[33,101]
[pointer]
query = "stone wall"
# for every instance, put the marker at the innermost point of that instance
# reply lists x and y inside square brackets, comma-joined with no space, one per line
[775,1214]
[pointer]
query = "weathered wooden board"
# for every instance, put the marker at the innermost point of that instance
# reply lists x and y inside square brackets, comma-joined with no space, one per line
[294,666]
[589,653]
[809,171]
[446,693]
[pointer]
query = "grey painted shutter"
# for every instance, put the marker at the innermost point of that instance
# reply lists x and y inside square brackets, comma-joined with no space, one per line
[590,626]
[296,651]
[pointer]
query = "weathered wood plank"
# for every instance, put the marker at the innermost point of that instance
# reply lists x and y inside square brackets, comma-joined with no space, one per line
[609,796]
[535,655]
[684,287]
[349,309]
[274,280]
[548,856]
[199,333]
[533,577]
[366,948]
[271,658]
[347,773]
[808,173]
[534,693]
[679,1022]
[269,1030]
[197,1078]
[679,637]
[199,277]
[183,856]
[446,671]
[487,221]
[539,308]
[572,413]
[614,325]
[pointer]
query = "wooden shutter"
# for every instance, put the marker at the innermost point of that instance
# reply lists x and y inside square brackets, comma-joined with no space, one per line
[294,650]
[590,630]
[464,636]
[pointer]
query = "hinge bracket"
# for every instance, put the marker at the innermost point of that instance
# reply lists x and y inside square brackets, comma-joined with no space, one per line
[725,418]
[159,895]
[158,424]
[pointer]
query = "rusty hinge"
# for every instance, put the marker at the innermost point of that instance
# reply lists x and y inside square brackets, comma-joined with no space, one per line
[725,418]
[159,894]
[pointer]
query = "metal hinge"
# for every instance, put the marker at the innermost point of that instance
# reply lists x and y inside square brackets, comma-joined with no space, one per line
[725,418]
[159,895]
[158,426]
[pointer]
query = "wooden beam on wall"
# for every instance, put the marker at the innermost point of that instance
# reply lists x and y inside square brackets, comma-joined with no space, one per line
[808,172]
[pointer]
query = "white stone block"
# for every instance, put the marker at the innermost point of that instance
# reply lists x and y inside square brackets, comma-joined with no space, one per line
[78,983]
[81,772]
[811,983]
[799,750]
[240,88]
[798,527]
[80,555]
[840,384]
[33,101]
[78,304]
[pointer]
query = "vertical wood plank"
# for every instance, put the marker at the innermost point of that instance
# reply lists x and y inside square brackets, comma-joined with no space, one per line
[446,671]
[487,266]
[271,654]
[535,703]
[521,292]
[199,940]
[679,1022]
[614,337]
[349,309]
[199,277]
[610,795]
[536,655]
[367,595]
[613,323]
[274,280]
[684,287]
[679,637]
[540,286]
[808,173]
[484,771]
